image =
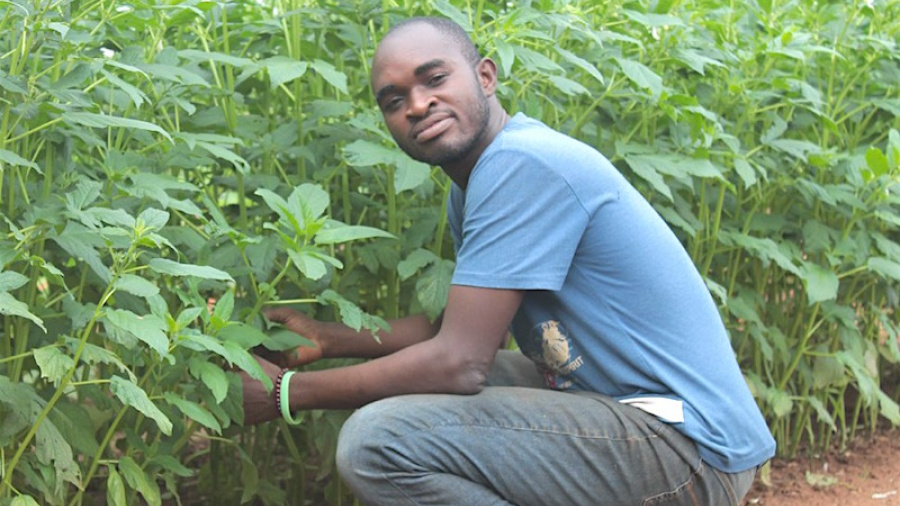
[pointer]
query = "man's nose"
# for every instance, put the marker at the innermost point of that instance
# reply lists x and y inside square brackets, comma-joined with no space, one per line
[420,100]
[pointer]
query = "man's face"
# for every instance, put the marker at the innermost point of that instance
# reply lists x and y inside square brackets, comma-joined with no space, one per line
[430,95]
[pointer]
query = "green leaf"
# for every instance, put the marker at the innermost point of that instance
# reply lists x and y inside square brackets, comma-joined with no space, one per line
[249,480]
[649,173]
[568,86]
[225,153]
[235,355]
[282,69]
[188,316]
[9,158]
[133,395]
[307,263]
[799,149]
[115,488]
[82,243]
[9,305]
[137,96]
[882,266]
[193,339]
[11,280]
[150,328]
[409,173]
[194,411]
[434,286]
[889,408]
[196,55]
[76,426]
[828,372]
[642,76]
[170,463]
[52,447]
[781,403]
[93,354]
[310,199]
[351,314]
[23,500]
[277,204]
[507,55]
[534,60]
[338,233]
[136,285]
[165,266]
[334,77]
[414,262]
[696,60]
[139,480]
[581,63]
[283,339]
[821,412]
[224,306]
[153,219]
[242,334]
[94,120]
[212,376]
[53,363]
[821,284]
[174,74]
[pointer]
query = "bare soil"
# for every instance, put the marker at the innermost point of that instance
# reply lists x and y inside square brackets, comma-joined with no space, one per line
[866,473]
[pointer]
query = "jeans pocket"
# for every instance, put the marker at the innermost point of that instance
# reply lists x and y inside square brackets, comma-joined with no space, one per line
[684,495]
[706,486]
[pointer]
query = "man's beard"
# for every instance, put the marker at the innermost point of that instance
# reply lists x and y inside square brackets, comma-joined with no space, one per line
[455,152]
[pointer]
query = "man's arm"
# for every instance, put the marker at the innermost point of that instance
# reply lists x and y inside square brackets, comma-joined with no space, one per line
[336,340]
[341,341]
[457,360]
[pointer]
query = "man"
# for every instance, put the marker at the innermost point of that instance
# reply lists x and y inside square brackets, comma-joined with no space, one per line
[632,394]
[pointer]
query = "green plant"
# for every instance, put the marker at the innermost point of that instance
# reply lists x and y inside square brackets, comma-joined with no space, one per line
[169,170]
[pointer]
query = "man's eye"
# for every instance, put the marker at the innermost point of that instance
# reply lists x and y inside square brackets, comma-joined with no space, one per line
[392,104]
[437,79]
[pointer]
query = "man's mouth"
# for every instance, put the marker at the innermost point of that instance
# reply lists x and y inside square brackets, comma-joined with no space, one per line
[432,127]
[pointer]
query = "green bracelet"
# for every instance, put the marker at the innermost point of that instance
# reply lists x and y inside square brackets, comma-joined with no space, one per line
[282,387]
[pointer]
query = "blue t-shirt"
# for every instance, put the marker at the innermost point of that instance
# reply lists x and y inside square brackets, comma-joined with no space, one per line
[613,302]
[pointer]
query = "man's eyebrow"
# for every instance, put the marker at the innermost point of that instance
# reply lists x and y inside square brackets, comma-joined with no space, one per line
[425,67]
[421,69]
[384,91]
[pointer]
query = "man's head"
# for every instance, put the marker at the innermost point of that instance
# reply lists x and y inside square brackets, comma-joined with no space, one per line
[436,93]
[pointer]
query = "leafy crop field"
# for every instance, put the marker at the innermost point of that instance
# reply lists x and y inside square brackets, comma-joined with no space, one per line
[170,169]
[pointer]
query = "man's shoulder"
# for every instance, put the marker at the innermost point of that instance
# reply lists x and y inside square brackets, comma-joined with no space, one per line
[528,135]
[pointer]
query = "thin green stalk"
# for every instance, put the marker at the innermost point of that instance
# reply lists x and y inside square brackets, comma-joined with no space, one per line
[438,246]
[260,301]
[95,463]
[713,233]
[392,303]
[64,382]
[801,349]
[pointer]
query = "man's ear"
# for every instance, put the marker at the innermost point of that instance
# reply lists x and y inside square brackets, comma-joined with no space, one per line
[486,70]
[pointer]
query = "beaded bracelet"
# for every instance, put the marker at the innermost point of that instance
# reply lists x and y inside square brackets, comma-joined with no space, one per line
[282,401]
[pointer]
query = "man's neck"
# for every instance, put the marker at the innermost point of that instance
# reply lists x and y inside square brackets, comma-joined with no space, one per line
[460,170]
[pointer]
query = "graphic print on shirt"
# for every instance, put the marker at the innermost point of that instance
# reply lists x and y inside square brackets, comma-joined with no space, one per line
[550,348]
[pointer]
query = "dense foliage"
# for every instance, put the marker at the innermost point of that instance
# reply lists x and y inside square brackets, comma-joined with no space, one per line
[169,169]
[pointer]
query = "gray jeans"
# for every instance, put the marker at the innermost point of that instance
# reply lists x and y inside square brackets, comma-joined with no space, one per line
[519,443]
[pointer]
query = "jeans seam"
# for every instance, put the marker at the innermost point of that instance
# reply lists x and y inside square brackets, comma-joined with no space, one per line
[398,488]
[677,491]
[726,484]
[580,435]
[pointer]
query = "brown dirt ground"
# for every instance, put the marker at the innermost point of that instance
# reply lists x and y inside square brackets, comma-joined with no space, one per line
[866,473]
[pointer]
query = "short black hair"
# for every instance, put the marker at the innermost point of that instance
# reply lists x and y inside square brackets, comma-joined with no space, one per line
[450,29]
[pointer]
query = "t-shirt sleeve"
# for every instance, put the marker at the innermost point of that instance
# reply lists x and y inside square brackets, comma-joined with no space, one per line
[520,226]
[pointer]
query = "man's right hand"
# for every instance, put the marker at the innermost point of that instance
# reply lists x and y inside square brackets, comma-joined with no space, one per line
[299,323]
